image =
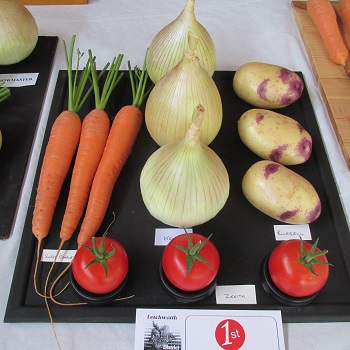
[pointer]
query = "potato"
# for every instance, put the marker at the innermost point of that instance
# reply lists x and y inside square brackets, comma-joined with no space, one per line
[274,136]
[281,193]
[266,85]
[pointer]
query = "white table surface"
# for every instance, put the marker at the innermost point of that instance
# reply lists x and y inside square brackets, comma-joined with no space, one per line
[243,31]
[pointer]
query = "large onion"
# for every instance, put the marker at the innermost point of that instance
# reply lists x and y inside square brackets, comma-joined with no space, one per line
[18,32]
[185,183]
[171,102]
[169,45]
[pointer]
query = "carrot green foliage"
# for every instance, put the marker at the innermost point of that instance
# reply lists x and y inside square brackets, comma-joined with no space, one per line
[138,81]
[112,79]
[4,92]
[76,81]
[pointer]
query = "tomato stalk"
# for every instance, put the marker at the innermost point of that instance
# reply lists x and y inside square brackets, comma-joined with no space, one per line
[100,254]
[193,252]
[308,259]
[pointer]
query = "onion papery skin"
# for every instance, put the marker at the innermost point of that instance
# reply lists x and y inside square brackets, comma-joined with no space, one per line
[18,32]
[170,44]
[171,102]
[184,183]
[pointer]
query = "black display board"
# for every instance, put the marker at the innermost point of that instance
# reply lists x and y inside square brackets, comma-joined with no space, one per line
[242,234]
[19,116]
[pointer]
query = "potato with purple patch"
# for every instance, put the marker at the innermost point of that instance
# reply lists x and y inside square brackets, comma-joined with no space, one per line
[275,136]
[267,85]
[281,193]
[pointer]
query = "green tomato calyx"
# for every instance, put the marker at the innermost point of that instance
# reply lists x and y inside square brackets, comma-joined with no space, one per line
[100,254]
[192,252]
[308,259]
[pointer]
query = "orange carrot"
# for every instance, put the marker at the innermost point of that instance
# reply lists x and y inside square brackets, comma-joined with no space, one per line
[95,130]
[59,152]
[324,17]
[61,147]
[344,8]
[94,133]
[122,136]
[93,138]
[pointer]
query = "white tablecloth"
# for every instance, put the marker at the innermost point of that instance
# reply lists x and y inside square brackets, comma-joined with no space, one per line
[242,30]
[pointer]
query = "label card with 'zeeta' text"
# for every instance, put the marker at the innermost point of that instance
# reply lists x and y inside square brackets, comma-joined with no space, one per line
[235,294]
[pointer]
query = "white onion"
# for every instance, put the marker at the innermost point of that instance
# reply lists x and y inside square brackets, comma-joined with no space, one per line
[170,104]
[185,183]
[18,32]
[169,45]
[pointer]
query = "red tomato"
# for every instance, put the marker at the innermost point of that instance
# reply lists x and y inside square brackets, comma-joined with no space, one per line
[293,277]
[175,265]
[94,278]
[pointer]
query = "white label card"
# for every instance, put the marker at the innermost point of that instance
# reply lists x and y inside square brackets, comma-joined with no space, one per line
[286,232]
[19,79]
[65,256]
[186,329]
[164,235]
[236,294]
